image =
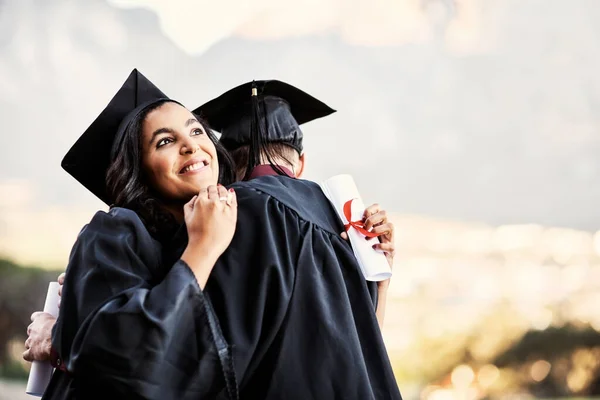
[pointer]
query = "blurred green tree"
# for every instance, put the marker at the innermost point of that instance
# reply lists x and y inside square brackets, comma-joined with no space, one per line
[22,291]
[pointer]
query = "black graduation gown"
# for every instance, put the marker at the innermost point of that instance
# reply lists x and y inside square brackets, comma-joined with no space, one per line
[292,302]
[288,295]
[132,325]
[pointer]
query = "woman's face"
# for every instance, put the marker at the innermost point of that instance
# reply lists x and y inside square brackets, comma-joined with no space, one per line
[178,157]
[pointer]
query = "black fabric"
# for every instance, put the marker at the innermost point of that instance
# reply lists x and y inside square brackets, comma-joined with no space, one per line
[89,158]
[133,327]
[289,309]
[283,108]
[292,301]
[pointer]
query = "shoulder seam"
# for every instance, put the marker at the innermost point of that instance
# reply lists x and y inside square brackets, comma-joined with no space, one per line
[129,219]
[287,207]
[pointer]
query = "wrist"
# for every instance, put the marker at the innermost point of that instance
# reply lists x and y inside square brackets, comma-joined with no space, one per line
[382,287]
[201,259]
[203,247]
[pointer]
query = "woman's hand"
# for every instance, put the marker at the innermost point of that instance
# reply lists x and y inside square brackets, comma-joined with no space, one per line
[38,345]
[210,218]
[375,220]
[61,282]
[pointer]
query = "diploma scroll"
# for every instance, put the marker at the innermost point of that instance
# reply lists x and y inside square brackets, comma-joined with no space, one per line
[41,371]
[343,194]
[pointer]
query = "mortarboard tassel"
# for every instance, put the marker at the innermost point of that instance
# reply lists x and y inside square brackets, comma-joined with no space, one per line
[259,144]
[256,133]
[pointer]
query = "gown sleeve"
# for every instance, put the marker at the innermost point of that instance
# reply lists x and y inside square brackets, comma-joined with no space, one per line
[132,328]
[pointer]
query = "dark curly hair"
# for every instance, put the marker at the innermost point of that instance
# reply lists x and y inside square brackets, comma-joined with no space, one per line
[127,185]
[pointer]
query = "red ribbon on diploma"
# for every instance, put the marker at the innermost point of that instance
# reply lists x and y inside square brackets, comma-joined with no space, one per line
[358,225]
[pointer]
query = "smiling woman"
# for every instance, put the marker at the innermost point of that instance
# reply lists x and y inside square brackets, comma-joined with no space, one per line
[180,159]
[124,300]
[168,145]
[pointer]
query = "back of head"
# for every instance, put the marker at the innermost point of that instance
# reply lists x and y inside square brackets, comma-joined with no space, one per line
[276,154]
[260,121]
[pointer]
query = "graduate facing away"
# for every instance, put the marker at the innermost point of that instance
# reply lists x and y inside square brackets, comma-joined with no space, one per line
[162,300]
[260,122]
[328,344]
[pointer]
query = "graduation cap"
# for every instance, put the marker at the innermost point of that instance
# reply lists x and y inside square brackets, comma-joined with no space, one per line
[261,112]
[89,158]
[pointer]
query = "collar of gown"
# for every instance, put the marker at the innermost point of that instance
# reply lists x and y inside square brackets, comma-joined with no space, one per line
[267,170]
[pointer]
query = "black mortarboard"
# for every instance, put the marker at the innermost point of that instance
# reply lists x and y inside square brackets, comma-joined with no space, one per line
[284,107]
[89,158]
[261,112]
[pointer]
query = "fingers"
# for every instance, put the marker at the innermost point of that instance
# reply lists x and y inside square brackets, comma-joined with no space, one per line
[375,219]
[223,195]
[200,197]
[384,232]
[222,192]
[213,192]
[189,206]
[35,315]
[216,194]
[29,329]
[28,344]
[372,209]
[389,248]
[232,198]
[228,195]
[27,356]
[61,282]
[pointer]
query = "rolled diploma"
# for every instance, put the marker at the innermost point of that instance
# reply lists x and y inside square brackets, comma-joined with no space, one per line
[339,189]
[41,371]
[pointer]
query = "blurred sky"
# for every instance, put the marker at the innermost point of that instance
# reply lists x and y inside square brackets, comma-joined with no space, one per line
[474,122]
[466,110]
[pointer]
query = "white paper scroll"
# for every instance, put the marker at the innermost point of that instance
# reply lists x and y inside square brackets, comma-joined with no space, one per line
[340,189]
[41,371]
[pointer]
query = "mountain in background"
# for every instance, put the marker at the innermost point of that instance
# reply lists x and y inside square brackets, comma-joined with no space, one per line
[504,133]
